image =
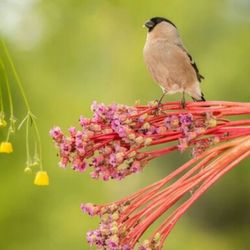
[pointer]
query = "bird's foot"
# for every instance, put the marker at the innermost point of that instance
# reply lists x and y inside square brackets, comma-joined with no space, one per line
[183,100]
[159,103]
[183,104]
[157,107]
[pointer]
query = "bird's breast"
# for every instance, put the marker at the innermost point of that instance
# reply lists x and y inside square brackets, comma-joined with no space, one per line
[156,56]
[169,65]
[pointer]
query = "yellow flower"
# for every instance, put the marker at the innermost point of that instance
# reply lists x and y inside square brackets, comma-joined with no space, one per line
[41,179]
[6,147]
[3,123]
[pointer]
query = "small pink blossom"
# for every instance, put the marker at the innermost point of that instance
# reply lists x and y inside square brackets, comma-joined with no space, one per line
[120,140]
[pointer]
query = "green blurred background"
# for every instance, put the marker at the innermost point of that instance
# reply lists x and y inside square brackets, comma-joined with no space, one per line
[71,52]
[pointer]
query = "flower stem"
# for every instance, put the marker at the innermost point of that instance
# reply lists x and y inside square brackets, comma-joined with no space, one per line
[12,120]
[1,101]
[27,141]
[16,75]
[237,154]
[30,118]
[38,142]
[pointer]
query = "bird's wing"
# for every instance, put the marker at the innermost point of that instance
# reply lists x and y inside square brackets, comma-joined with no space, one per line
[192,62]
[199,76]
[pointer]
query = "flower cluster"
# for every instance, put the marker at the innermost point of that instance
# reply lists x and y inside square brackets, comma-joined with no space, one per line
[123,223]
[108,235]
[117,140]
[112,233]
[7,72]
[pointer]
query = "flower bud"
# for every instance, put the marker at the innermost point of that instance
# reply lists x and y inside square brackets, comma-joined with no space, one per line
[41,179]
[175,123]
[115,216]
[212,123]
[119,157]
[95,127]
[143,117]
[3,123]
[148,141]
[161,130]
[6,147]
[114,230]
[146,125]
[157,237]
[131,136]
[27,170]
[132,154]
[139,140]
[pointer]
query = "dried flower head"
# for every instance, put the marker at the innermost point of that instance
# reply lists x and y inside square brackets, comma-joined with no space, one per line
[118,141]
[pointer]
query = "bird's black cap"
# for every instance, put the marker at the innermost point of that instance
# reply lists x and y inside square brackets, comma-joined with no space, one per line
[155,20]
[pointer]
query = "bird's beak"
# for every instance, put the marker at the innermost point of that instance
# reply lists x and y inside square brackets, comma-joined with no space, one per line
[148,24]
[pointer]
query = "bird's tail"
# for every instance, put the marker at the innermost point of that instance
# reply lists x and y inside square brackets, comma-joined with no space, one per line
[200,99]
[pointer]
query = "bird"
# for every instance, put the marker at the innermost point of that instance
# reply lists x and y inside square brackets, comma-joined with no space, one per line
[168,61]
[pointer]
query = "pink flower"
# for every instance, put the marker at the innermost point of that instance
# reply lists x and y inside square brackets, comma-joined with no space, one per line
[89,208]
[56,134]
[119,140]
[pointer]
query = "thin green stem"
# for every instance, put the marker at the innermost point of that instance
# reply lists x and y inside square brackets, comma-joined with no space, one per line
[16,75]
[38,140]
[12,120]
[23,121]
[6,80]
[30,117]
[27,141]
[1,99]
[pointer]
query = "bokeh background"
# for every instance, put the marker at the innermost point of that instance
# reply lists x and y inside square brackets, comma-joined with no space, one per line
[71,52]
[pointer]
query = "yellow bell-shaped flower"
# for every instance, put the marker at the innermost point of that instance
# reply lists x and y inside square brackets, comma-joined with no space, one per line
[6,147]
[41,179]
[3,123]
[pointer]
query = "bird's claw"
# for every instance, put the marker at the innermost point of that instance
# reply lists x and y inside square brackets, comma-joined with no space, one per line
[183,104]
[157,107]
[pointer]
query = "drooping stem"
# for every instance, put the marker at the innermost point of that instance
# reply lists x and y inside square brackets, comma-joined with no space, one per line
[30,117]
[38,142]
[7,84]
[18,81]
[1,101]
